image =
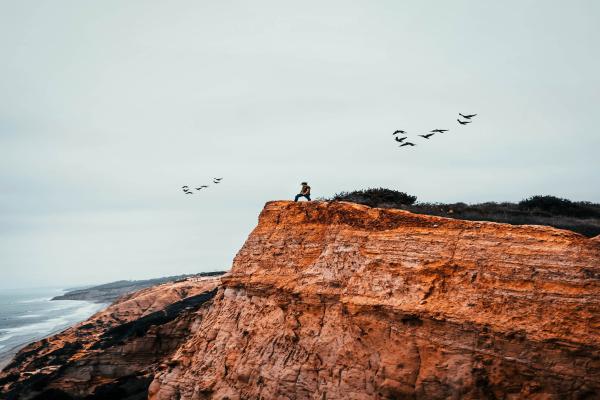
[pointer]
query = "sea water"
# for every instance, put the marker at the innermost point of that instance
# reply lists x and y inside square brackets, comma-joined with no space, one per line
[27,315]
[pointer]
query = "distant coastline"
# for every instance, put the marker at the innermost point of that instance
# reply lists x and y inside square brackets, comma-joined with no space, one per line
[78,305]
[109,292]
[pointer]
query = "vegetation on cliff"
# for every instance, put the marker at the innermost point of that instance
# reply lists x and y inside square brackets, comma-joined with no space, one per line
[578,216]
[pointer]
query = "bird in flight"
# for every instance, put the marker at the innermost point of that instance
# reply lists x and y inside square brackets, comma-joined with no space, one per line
[201,187]
[407,144]
[467,116]
[427,136]
[400,140]
[189,193]
[463,122]
[217,180]
[399,131]
[439,130]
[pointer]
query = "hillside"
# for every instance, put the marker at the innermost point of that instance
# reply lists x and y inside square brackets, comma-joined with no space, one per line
[339,300]
[109,292]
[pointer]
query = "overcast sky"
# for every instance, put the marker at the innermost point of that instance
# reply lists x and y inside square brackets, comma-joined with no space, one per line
[108,107]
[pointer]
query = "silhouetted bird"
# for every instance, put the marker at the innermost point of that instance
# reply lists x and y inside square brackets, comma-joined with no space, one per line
[189,193]
[183,187]
[467,116]
[400,140]
[407,144]
[463,122]
[201,187]
[439,130]
[428,135]
[398,131]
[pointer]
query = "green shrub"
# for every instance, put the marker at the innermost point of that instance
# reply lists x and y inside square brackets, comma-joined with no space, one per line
[377,197]
[558,206]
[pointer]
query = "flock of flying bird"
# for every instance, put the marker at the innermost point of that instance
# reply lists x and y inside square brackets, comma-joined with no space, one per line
[186,189]
[466,118]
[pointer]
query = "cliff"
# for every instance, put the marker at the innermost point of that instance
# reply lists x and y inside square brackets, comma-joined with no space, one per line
[338,301]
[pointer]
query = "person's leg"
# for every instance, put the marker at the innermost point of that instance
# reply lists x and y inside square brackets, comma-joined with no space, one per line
[307,197]
[297,197]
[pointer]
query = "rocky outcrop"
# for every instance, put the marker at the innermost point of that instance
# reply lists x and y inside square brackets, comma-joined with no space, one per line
[339,301]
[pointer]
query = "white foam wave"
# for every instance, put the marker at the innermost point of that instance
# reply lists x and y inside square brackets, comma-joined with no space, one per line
[43,328]
[29,316]
[36,300]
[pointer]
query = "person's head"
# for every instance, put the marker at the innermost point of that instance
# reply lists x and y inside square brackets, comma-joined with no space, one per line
[304,183]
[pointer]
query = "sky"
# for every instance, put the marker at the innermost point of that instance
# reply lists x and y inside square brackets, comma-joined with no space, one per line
[108,107]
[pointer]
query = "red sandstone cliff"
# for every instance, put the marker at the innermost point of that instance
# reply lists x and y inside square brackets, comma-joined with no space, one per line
[339,301]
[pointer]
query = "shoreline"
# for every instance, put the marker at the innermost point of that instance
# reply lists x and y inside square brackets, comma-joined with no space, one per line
[6,356]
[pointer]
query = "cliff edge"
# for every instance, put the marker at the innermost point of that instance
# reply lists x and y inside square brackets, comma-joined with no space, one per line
[338,300]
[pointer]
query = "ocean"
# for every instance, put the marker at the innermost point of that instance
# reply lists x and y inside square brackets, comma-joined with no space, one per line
[27,315]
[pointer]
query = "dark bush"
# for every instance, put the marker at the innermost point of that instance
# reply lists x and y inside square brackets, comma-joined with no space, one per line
[558,206]
[373,197]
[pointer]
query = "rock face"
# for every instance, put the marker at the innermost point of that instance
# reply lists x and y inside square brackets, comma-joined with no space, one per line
[342,301]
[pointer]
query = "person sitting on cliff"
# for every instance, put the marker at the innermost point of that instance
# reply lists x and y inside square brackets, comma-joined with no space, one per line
[304,192]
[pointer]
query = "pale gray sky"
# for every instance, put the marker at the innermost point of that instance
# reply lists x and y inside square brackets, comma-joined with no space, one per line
[107,107]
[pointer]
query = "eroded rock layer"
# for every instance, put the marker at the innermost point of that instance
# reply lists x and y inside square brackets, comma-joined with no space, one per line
[342,301]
